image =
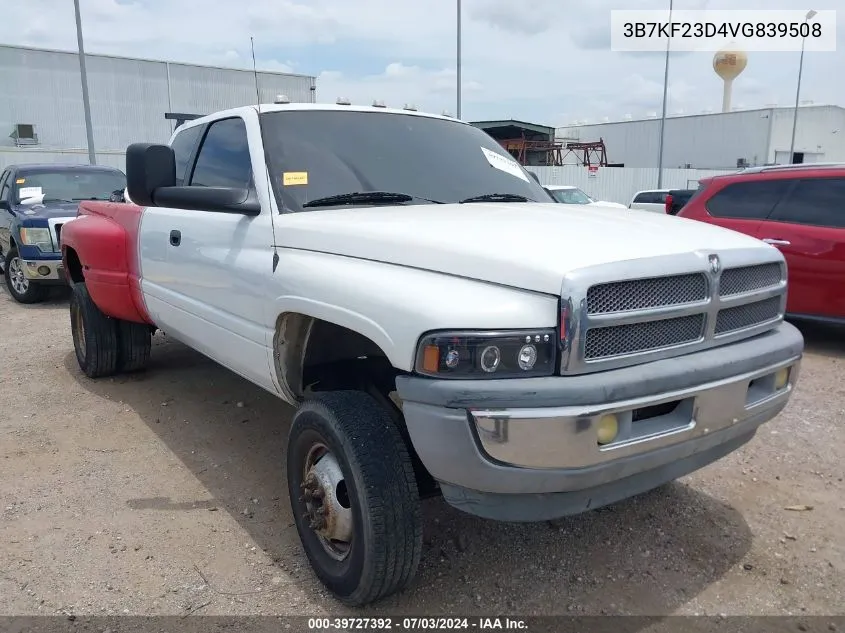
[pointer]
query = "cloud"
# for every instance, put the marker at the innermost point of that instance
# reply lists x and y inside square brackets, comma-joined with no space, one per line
[397,85]
[526,17]
[541,60]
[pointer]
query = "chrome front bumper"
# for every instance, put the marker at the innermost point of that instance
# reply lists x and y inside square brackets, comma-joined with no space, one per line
[567,437]
[43,269]
[528,450]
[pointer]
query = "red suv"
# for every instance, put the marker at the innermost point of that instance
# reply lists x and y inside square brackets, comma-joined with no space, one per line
[799,209]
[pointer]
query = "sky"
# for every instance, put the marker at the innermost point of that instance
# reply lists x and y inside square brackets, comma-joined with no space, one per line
[544,61]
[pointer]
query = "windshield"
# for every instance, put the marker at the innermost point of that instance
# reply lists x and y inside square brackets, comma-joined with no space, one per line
[69,185]
[315,154]
[571,196]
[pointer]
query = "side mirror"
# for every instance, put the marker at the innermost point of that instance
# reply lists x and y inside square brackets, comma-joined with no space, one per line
[151,182]
[4,204]
[149,167]
[534,176]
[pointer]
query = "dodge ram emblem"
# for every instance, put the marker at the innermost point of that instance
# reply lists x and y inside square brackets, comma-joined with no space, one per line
[715,264]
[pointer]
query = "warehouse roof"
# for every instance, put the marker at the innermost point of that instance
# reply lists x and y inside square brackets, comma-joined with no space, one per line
[703,114]
[147,59]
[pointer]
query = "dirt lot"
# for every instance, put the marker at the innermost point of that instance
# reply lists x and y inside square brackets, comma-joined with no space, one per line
[164,493]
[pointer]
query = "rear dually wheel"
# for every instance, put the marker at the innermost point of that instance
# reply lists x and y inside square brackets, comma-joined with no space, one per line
[95,335]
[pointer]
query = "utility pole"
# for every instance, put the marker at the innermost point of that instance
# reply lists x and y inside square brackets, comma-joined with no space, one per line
[459,59]
[663,115]
[810,15]
[86,103]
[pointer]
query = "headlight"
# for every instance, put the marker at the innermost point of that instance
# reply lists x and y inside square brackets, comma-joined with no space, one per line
[39,237]
[470,355]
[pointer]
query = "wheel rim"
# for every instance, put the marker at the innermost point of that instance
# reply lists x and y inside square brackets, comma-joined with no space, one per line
[78,331]
[20,284]
[328,508]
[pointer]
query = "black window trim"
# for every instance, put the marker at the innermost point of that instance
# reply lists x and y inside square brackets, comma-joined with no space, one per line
[795,183]
[732,183]
[198,148]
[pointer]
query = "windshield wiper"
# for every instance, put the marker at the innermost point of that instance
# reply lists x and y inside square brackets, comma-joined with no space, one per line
[363,197]
[497,197]
[90,198]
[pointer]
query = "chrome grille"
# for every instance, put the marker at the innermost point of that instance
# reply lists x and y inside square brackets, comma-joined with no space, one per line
[739,317]
[641,294]
[643,315]
[736,281]
[618,340]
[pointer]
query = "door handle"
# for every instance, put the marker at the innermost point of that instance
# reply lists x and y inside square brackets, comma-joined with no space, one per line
[175,237]
[776,242]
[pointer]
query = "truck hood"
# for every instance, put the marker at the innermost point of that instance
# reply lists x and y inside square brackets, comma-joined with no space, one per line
[46,210]
[524,245]
[605,203]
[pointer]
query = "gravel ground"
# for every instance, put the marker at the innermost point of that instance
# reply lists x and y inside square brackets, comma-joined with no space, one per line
[163,493]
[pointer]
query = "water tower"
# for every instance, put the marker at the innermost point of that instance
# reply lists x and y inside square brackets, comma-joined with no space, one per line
[728,64]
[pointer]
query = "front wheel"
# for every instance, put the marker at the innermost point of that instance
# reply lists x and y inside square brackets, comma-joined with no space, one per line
[21,288]
[354,496]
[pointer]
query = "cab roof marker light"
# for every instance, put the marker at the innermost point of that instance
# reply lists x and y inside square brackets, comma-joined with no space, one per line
[343,101]
[281,99]
[378,103]
[410,106]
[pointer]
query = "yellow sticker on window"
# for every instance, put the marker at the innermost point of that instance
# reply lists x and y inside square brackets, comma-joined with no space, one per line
[20,181]
[290,178]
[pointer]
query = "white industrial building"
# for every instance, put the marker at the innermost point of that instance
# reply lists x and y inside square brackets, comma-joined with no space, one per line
[723,140]
[41,111]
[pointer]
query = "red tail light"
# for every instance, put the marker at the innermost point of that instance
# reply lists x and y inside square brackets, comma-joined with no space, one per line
[668,206]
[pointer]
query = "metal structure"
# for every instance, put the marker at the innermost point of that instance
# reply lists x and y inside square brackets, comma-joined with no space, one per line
[544,152]
[589,154]
[535,145]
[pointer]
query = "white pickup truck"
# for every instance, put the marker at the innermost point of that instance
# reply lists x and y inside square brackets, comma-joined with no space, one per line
[441,325]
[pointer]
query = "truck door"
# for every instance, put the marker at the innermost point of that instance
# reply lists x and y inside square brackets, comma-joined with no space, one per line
[206,284]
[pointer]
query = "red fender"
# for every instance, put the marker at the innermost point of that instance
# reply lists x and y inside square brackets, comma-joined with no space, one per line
[104,237]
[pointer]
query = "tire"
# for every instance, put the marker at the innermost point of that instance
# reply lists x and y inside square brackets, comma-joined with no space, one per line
[95,335]
[21,289]
[380,491]
[134,342]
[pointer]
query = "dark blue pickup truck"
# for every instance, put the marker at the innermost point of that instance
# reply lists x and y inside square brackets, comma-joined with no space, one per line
[35,200]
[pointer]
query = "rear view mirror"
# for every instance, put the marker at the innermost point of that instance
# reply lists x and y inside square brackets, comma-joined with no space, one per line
[149,167]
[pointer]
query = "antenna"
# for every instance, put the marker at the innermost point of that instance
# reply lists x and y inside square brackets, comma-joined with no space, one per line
[266,167]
